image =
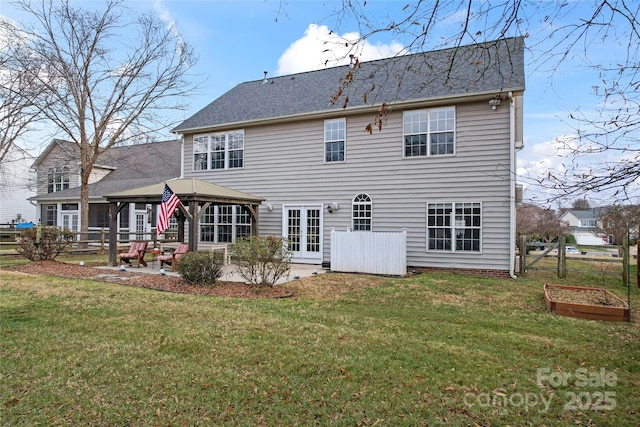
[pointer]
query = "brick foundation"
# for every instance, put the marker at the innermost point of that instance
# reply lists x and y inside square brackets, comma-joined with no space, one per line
[498,274]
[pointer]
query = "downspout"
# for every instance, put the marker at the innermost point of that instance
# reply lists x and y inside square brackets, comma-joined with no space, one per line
[512,185]
[181,156]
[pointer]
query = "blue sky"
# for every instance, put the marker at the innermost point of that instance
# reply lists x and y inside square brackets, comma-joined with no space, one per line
[238,40]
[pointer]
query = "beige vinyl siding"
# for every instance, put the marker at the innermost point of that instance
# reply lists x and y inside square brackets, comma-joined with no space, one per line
[284,163]
[57,157]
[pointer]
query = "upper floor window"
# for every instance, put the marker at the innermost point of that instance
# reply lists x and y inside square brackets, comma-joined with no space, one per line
[57,179]
[454,226]
[223,150]
[429,132]
[361,212]
[334,140]
[587,223]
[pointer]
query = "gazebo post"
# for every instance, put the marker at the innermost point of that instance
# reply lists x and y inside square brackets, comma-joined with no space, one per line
[113,233]
[255,214]
[181,220]
[194,222]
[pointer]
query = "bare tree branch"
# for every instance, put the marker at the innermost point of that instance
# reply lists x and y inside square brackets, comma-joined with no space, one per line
[557,31]
[103,85]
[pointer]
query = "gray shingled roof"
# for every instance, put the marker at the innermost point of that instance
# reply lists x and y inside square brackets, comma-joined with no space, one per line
[496,66]
[594,213]
[135,166]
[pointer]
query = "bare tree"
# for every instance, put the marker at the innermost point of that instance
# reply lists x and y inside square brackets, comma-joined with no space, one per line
[581,204]
[20,93]
[556,31]
[539,222]
[617,220]
[108,75]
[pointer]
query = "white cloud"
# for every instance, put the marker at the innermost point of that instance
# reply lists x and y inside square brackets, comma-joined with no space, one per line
[320,48]
[165,16]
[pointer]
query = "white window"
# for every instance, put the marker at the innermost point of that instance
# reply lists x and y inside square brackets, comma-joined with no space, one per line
[334,140]
[224,223]
[361,212]
[223,150]
[454,227]
[57,179]
[429,132]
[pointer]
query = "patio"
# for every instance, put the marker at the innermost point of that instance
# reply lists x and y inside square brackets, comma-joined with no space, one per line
[230,274]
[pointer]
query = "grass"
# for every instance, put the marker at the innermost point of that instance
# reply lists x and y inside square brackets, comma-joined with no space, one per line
[349,350]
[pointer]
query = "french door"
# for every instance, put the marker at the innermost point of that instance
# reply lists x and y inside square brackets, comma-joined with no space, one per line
[70,221]
[302,225]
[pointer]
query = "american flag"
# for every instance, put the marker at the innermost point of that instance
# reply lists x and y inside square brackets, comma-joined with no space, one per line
[167,207]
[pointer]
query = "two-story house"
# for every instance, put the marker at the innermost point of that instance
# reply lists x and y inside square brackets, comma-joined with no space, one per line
[441,167]
[119,169]
[586,226]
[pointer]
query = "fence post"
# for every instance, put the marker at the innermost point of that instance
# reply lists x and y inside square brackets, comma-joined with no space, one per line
[562,258]
[523,255]
[625,262]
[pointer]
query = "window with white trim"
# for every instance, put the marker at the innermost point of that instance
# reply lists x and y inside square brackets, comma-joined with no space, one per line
[334,140]
[588,223]
[361,209]
[454,227]
[222,150]
[57,179]
[224,223]
[429,132]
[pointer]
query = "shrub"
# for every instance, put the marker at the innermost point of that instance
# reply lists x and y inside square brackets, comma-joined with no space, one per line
[43,243]
[262,260]
[201,268]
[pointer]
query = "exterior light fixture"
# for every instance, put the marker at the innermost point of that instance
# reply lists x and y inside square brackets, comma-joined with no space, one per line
[494,102]
[269,207]
[333,207]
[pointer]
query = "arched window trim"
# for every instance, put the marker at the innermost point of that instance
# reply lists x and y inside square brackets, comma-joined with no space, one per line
[362,212]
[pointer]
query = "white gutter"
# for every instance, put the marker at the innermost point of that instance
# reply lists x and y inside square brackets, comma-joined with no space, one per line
[512,184]
[181,156]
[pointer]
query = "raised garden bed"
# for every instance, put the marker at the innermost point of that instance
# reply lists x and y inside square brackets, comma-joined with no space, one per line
[585,303]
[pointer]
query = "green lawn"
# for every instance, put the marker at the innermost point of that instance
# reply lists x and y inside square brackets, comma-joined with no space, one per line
[350,350]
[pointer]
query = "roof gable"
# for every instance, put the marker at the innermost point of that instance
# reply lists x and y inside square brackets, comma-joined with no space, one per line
[496,66]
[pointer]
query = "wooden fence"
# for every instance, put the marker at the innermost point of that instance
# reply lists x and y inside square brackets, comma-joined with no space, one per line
[526,261]
[93,241]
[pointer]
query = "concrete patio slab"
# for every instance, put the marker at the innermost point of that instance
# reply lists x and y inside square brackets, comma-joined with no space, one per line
[230,271]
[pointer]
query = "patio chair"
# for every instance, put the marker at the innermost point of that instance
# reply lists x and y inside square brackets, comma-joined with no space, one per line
[136,251]
[172,259]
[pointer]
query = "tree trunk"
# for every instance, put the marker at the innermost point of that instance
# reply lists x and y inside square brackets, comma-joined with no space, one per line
[85,172]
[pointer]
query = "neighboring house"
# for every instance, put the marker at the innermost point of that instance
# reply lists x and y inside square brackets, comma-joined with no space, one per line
[442,167]
[119,169]
[586,225]
[17,184]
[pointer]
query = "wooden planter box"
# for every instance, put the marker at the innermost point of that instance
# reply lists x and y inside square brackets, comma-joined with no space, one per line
[613,313]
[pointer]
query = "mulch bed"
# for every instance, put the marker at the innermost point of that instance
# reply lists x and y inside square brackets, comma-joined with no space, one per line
[152,281]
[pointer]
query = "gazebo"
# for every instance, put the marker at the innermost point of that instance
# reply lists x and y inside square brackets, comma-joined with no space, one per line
[195,196]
